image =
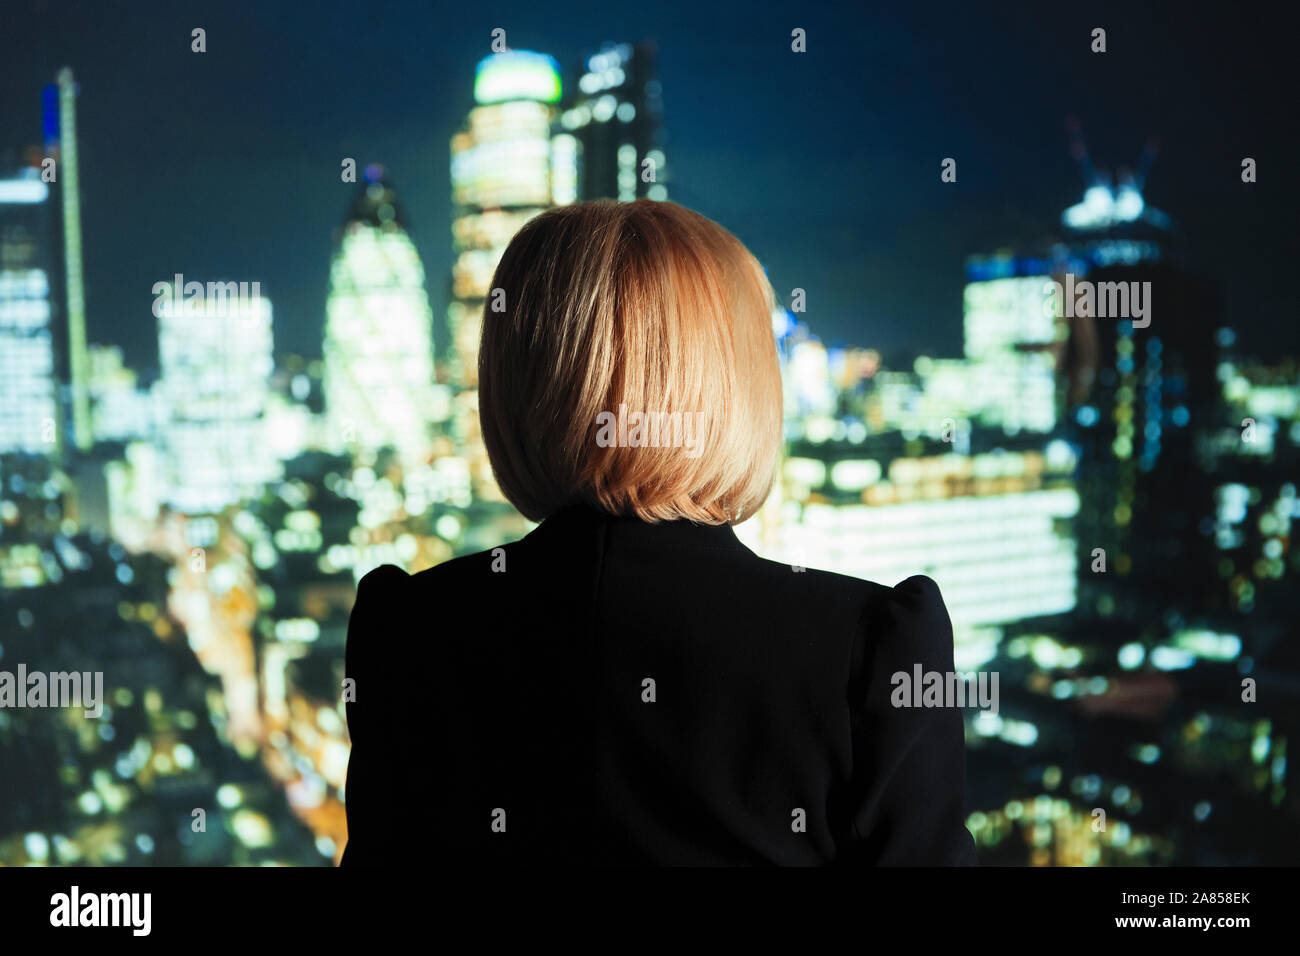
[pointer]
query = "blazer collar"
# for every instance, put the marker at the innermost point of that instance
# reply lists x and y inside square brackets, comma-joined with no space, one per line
[625,528]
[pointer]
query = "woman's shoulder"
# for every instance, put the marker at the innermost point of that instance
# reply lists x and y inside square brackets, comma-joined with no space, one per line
[386,577]
[916,599]
[915,595]
[379,607]
[908,623]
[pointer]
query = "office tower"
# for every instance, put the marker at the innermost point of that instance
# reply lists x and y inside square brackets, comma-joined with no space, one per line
[611,144]
[121,411]
[501,177]
[215,358]
[1153,389]
[378,351]
[1140,383]
[1012,341]
[29,419]
[59,105]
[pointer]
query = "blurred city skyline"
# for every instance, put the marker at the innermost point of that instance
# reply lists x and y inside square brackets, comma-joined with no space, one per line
[826,164]
[1105,498]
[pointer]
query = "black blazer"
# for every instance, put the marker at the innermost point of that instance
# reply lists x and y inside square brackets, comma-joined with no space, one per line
[612,692]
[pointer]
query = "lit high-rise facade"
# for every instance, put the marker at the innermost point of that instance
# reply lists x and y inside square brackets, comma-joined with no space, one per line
[501,176]
[28,399]
[216,362]
[378,350]
[1012,344]
[121,411]
[610,142]
[993,529]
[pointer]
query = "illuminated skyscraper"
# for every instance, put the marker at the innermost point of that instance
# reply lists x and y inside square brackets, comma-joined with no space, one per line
[216,364]
[121,410]
[501,176]
[1138,390]
[378,380]
[611,141]
[28,400]
[1012,342]
[60,130]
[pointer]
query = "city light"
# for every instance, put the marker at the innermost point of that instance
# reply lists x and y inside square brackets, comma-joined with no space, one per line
[1106,508]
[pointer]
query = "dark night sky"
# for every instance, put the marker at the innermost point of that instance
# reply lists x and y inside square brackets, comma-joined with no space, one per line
[225,165]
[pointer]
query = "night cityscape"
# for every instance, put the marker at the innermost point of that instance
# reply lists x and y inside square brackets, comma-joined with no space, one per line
[200,456]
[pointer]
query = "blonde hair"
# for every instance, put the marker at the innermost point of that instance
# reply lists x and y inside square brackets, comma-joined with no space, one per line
[642,305]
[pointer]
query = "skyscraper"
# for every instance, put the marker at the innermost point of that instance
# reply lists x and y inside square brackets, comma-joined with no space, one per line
[60,130]
[1139,389]
[378,349]
[28,401]
[611,144]
[501,176]
[1012,343]
[215,359]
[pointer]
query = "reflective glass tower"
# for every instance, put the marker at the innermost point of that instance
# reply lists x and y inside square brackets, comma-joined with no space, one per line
[378,380]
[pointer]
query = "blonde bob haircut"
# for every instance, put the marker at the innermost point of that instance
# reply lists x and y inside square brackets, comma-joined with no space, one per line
[605,308]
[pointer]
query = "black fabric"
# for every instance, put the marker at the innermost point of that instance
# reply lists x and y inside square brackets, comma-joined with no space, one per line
[521,690]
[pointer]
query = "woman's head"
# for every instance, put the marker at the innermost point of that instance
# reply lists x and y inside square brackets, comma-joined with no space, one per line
[628,362]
